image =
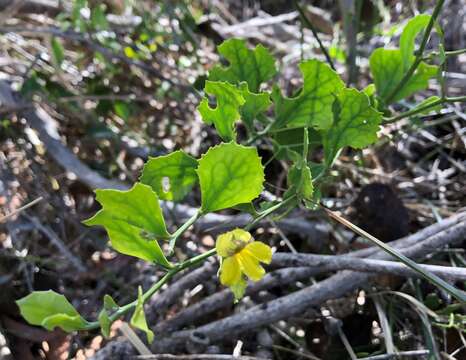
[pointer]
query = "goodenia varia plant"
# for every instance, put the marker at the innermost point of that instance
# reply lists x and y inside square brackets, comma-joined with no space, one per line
[323,113]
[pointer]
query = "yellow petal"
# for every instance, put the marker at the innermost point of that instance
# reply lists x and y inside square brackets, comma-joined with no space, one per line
[260,251]
[230,271]
[224,244]
[250,265]
[232,242]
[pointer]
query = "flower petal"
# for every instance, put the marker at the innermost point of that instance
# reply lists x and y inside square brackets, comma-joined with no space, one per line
[224,244]
[250,265]
[230,271]
[260,251]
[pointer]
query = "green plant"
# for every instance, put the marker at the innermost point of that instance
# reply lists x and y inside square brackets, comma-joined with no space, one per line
[322,114]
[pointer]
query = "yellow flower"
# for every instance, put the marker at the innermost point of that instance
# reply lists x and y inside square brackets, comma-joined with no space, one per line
[241,256]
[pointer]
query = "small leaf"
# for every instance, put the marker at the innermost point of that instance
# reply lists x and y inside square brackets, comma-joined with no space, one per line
[356,124]
[254,105]
[134,221]
[252,66]
[109,303]
[98,19]
[312,107]
[300,181]
[171,176]
[138,320]
[224,115]
[50,309]
[408,37]
[105,323]
[122,109]
[58,51]
[428,101]
[229,175]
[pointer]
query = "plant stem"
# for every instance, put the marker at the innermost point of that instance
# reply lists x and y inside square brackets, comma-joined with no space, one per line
[181,230]
[154,288]
[425,107]
[418,58]
[307,22]
[267,212]
[259,134]
[432,278]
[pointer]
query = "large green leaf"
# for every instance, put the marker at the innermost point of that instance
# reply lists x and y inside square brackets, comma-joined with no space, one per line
[356,124]
[50,309]
[229,174]
[224,115]
[312,107]
[254,105]
[134,221]
[138,320]
[171,176]
[252,66]
[388,66]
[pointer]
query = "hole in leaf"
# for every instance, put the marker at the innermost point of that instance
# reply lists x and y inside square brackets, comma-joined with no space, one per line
[165,184]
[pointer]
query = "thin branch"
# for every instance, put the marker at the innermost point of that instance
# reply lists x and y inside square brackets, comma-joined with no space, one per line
[18,210]
[308,23]
[418,58]
[418,110]
[397,355]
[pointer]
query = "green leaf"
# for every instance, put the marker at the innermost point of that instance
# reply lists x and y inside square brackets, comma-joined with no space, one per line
[229,174]
[50,309]
[356,124]
[388,66]
[428,101]
[300,181]
[252,66]
[408,37]
[57,51]
[387,71]
[313,105]
[224,115]
[109,303]
[171,176]
[98,18]
[289,142]
[138,320]
[122,109]
[134,221]
[254,105]
[105,323]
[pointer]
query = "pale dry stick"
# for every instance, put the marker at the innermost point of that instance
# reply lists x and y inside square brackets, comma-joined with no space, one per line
[22,208]
[134,339]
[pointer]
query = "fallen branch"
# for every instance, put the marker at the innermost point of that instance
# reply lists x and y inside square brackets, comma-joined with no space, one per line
[297,302]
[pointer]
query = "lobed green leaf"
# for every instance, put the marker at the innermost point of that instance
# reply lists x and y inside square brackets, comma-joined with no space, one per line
[171,176]
[229,175]
[312,107]
[226,113]
[134,221]
[356,124]
[252,66]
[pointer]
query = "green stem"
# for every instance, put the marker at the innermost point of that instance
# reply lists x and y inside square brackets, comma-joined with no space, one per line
[154,288]
[425,107]
[182,229]
[267,212]
[259,134]
[418,59]
[306,21]
[432,278]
